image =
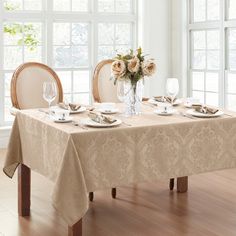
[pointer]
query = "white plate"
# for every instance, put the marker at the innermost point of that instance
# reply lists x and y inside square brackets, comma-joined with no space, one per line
[176,103]
[67,120]
[92,123]
[81,109]
[168,113]
[202,115]
[113,111]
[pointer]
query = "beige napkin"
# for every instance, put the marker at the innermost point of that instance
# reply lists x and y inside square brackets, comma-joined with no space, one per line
[101,119]
[204,109]
[70,106]
[164,99]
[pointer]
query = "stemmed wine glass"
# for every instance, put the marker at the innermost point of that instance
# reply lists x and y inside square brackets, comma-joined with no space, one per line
[172,88]
[121,90]
[49,92]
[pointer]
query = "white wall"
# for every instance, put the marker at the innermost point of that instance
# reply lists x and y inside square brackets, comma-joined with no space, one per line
[156,41]
[164,37]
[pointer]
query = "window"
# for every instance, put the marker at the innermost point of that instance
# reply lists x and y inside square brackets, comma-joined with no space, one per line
[71,36]
[212,64]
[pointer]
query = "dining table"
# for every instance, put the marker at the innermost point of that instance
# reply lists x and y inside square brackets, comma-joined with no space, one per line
[79,159]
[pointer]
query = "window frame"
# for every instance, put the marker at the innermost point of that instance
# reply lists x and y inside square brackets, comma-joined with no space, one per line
[47,17]
[224,24]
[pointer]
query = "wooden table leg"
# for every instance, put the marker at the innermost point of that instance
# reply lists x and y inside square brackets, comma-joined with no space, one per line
[23,190]
[172,184]
[182,184]
[76,229]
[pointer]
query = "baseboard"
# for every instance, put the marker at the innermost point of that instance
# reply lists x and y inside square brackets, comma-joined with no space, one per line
[4,136]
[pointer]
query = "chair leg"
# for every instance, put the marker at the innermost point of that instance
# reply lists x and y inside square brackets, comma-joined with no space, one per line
[172,184]
[91,196]
[113,192]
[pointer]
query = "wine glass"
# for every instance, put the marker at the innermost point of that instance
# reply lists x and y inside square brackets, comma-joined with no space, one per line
[49,92]
[172,88]
[121,90]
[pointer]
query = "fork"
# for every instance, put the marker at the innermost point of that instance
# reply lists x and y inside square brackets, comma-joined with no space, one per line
[186,115]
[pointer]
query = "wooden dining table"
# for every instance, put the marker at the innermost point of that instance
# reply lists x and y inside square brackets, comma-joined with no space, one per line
[143,148]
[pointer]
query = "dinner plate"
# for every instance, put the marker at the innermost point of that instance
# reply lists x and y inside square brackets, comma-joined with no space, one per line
[66,120]
[112,111]
[202,115]
[176,103]
[167,113]
[80,110]
[92,123]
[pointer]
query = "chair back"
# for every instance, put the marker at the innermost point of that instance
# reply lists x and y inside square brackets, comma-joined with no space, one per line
[27,86]
[104,89]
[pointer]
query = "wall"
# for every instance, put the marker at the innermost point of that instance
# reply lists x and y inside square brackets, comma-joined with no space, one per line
[156,40]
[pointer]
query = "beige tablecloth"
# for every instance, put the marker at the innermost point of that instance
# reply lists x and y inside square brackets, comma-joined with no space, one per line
[79,161]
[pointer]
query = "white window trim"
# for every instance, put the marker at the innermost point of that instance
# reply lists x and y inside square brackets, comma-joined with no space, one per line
[93,17]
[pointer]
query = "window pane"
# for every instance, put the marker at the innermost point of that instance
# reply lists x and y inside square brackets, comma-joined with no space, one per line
[232,39]
[79,33]
[81,81]
[106,33]
[198,81]
[232,60]
[212,82]
[7,82]
[13,5]
[106,5]
[212,99]
[79,56]
[32,5]
[213,9]
[231,83]
[65,77]
[199,10]
[123,34]
[61,33]
[199,95]
[199,40]
[232,9]
[81,98]
[213,60]
[62,57]
[61,5]
[199,60]
[119,6]
[80,5]
[213,39]
[231,102]
[106,52]
[12,57]
[7,106]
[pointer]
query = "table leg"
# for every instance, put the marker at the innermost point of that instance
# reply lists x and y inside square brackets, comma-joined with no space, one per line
[76,229]
[182,184]
[23,190]
[172,184]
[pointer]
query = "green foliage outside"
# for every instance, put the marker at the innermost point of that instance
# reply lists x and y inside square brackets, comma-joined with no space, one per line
[28,31]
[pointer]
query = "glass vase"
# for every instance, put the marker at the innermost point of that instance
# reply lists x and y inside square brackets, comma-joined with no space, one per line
[133,93]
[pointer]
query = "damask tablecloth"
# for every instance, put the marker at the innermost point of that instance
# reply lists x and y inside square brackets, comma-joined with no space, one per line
[79,161]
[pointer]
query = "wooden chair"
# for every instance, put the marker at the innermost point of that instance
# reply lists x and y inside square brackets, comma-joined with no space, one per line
[105,91]
[27,86]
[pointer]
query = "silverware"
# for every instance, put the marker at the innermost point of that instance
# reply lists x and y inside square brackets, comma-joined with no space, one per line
[228,115]
[125,123]
[90,108]
[186,115]
[76,123]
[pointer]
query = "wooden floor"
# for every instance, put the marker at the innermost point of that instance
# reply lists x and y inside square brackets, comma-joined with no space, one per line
[208,209]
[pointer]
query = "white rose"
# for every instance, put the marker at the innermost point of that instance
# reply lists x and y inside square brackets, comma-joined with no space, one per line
[133,65]
[148,67]
[118,68]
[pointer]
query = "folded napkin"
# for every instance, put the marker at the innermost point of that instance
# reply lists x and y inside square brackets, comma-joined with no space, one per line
[70,106]
[101,119]
[204,109]
[164,99]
